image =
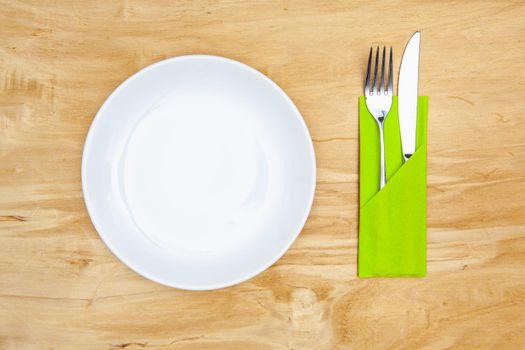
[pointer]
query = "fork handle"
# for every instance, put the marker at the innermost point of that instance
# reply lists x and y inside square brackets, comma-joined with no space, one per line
[382,175]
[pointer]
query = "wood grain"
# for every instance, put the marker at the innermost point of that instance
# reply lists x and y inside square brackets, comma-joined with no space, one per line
[60,287]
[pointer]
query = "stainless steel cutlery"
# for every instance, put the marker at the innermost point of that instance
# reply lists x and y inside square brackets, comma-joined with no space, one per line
[379,101]
[407,90]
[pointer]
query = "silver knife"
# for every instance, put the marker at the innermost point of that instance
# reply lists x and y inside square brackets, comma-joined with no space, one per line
[407,91]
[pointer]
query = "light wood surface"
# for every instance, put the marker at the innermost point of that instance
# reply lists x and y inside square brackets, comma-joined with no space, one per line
[61,288]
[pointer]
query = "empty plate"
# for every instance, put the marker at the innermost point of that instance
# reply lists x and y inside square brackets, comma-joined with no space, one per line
[198,172]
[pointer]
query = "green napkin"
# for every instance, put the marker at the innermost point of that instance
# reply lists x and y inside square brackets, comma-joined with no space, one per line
[392,222]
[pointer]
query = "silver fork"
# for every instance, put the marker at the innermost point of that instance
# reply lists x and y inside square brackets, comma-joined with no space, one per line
[379,102]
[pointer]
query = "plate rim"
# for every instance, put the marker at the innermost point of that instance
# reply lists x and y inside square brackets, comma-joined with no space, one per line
[91,207]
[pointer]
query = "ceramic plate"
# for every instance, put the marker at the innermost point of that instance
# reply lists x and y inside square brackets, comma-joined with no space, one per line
[198,172]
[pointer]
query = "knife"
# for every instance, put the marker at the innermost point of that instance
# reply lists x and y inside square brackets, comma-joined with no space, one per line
[407,91]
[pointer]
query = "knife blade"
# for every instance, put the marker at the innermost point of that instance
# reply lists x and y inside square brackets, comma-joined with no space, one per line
[407,91]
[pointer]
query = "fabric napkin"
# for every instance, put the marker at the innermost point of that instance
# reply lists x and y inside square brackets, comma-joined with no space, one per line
[392,222]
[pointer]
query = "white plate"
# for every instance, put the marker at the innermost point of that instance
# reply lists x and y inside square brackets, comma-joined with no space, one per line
[198,172]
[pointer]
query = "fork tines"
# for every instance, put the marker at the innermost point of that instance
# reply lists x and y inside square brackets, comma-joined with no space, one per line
[378,86]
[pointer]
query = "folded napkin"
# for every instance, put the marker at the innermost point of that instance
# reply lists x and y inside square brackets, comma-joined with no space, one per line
[392,222]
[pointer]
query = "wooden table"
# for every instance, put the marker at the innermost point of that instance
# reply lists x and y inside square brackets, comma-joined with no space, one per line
[61,288]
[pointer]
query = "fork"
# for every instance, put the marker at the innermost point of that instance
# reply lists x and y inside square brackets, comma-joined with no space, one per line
[379,102]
